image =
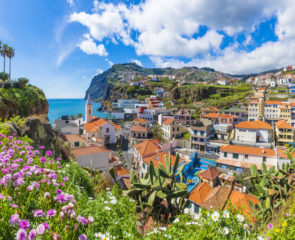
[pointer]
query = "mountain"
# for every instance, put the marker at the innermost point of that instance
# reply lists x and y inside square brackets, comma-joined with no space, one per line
[119,77]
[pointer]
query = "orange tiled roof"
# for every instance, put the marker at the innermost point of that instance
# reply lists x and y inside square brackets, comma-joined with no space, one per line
[168,121]
[97,122]
[210,115]
[147,147]
[121,171]
[160,158]
[140,120]
[199,194]
[247,150]
[254,125]
[283,124]
[211,173]
[273,102]
[82,151]
[240,164]
[217,198]
[282,152]
[226,116]
[72,137]
[240,202]
[138,128]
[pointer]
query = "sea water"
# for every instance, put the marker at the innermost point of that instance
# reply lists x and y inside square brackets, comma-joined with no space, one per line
[59,107]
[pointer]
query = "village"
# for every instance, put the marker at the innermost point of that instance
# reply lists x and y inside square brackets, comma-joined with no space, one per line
[216,149]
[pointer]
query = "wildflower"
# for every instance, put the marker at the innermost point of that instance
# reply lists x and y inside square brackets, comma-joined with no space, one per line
[41,229]
[287,214]
[14,205]
[163,228]
[21,234]
[114,201]
[240,218]
[284,224]
[176,220]
[32,234]
[82,237]
[46,195]
[277,230]
[225,231]
[38,213]
[269,226]
[215,216]
[46,226]
[42,159]
[82,220]
[50,213]
[225,214]
[24,224]
[90,219]
[107,208]
[48,153]
[14,219]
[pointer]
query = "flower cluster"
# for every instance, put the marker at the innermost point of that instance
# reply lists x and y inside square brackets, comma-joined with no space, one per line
[33,195]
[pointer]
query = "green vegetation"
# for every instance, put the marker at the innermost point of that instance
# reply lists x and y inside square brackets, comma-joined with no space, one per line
[165,83]
[277,99]
[187,136]
[132,91]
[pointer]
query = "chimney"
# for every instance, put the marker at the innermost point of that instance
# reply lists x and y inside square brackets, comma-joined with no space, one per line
[262,149]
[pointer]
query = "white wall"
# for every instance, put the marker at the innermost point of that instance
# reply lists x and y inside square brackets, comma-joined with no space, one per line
[99,160]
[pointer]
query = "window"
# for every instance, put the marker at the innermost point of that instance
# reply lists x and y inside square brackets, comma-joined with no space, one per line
[246,156]
[235,155]
[107,130]
[264,159]
[76,144]
[225,154]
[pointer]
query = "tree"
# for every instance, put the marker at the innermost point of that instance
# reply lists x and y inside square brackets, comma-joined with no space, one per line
[4,76]
[3,53]
[157,133]
[23,82]
[10,54]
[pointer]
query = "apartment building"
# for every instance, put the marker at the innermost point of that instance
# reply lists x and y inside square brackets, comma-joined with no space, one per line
[172,129]
[284,133]
[240,158]
[199,136]
[253,133]
[138,134]
[255,109]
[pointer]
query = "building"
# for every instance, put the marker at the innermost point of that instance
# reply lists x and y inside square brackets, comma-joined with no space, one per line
[284,133]
[217,118]
[184,116]
[199,136]
[198,195]
[272,111]
[240,158]
[171,129]
[140,121]
[74,140]
[210,176]
[138,134]
[254,133]
[239,112]
[155,102]
[286,112]
[93,157]
[255,109]
[151,114]
[68,125]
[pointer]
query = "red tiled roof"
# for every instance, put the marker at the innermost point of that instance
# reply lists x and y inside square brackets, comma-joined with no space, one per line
[147,147]
[210,174]
[273,102]
[121,171]
[247,150]
[282,152]
[140,120]
[240,202]
[240,164]
[198,195]
[72,137]
[160,158]
[82,151]
[254,125]
[138,128]
[168,121]
[283,124]
[217,198]
[210,115]
[97,122]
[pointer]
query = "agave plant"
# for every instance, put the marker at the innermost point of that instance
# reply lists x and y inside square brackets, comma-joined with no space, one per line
[272,187]
[158,193]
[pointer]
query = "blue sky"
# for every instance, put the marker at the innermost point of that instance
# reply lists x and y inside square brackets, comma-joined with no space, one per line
[61,44]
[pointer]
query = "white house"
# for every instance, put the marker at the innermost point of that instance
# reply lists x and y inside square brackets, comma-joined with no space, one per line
[240,158]
[95,127]
[68,125]
[93,157]
[254,133]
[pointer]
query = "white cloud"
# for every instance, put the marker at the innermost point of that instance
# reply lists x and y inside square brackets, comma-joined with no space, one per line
[89,47]
[64,52]
[167,29]
[99,71]
[109,62]
[136,61]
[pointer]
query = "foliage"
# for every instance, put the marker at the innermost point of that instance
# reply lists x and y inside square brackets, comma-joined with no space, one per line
[23,82]
[272,187]
[187,136]
[159,185]
[4,76]
[134,90]
[157,133]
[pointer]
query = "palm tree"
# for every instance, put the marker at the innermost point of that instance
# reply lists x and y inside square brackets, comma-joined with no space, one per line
[4,50]
[10,54]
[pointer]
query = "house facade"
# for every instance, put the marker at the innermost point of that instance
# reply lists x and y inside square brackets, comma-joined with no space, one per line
[172,129]
[138,134]
[284,133]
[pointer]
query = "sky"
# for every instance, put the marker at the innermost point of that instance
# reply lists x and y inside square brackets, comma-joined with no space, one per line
[61,44]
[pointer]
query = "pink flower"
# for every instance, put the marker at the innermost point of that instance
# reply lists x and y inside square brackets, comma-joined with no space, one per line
[41,230]
[41,147]
[14,219]
[32,234]
[82,237]
[38,213]
[43,159]
[46,225]
[21,234]
[48,153]
[24,224]
[50,213]
[91,219]
[269,225]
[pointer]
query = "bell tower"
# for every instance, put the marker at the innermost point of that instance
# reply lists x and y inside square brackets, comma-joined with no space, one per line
[88,110]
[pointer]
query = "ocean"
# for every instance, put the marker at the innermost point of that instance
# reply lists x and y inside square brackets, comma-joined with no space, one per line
[59,107]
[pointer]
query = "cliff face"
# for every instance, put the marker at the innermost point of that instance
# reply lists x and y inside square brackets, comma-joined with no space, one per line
[41,132]
[22,102]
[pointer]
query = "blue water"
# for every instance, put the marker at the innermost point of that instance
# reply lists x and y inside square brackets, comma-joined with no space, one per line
[59,107]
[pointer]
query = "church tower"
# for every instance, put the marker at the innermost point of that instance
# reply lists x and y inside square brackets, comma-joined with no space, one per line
[88,110]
